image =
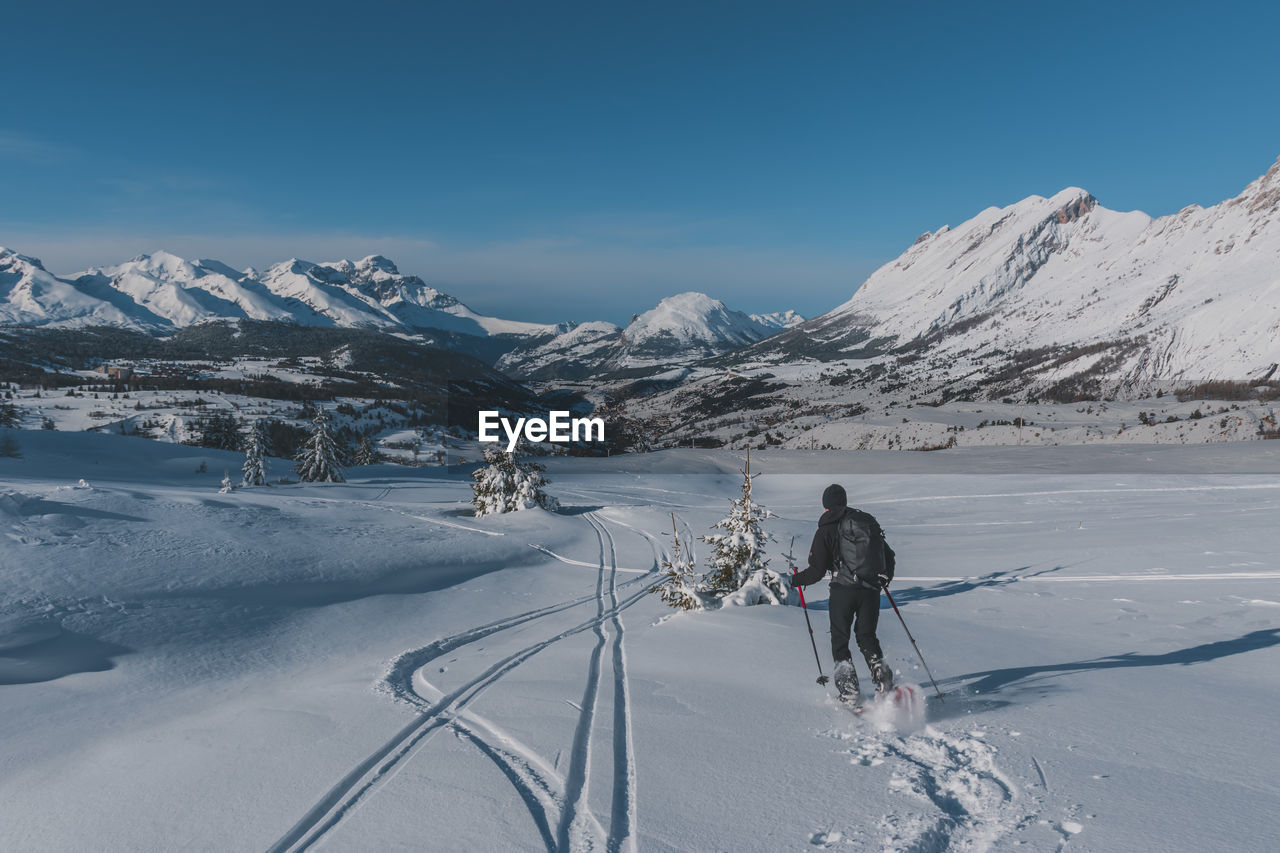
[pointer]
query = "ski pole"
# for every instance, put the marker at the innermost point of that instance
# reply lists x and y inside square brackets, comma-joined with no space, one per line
[822,678]
[913,640]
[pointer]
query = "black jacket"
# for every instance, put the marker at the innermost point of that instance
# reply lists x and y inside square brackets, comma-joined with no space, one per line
[825,545]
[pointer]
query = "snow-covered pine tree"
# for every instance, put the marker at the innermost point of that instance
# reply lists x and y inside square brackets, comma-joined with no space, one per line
[255,454]
[678,587]
[366,454]
[227,486]
[507,484]
[738,572]
[318,458]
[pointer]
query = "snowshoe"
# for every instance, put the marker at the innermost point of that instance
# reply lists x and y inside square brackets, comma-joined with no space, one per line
[906,701]
[882,675]
[847,684]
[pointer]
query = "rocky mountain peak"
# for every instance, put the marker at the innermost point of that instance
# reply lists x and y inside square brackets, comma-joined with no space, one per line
[1264,193]
[11,261]
[1076,204]
[379,263]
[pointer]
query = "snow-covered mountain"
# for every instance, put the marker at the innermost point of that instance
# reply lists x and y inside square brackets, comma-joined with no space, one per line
[576,353]
[162,292]
[778,319]
[373,292]
[1052,288]
[182,292]
[1056,291]
[31,295]
[416,304]
[680,329]
[687,326]
[1052,300]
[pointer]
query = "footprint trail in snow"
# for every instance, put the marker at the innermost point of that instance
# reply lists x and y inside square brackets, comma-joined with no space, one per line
[973,803]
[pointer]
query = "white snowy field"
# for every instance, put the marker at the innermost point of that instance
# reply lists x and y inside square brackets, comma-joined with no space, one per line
[366,667]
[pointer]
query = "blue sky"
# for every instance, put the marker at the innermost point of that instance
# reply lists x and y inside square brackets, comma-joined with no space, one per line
[579,161]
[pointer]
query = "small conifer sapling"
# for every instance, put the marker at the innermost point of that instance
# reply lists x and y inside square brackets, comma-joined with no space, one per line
[507,484]
[738,571]
[678,587]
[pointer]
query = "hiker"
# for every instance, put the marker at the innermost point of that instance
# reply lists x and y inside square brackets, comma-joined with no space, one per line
[850,543]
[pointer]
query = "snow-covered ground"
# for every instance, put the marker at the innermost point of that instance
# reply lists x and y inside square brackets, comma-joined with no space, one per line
[366,667]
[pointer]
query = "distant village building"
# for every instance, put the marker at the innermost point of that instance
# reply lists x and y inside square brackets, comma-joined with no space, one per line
[119,374]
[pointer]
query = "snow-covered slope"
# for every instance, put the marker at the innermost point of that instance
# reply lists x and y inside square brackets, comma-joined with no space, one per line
[31,295]
[326,292]
[1194,294]
[778,319]
[184,292]
[679,330]
[580,352]
[417,305]
[686,326]
[363,666]
[163,292]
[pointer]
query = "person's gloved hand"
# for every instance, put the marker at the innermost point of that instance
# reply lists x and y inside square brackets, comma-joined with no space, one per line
[790,581]
[884,581]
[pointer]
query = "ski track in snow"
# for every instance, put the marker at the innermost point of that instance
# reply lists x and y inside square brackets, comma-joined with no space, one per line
[596,491]
[451,524]
[532,786]
[564,821]
[570,562]
[372,505]
[622,826]
[575,830]
[576,819]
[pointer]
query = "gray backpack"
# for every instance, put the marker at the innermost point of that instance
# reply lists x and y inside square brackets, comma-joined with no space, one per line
[860,558]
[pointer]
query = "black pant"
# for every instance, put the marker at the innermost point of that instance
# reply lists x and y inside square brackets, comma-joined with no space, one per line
[857,608]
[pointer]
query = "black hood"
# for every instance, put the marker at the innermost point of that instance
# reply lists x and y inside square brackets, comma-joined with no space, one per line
[832,515]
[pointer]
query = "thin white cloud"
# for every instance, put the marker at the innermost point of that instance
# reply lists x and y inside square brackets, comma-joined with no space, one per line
[29,149]
[161,184]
